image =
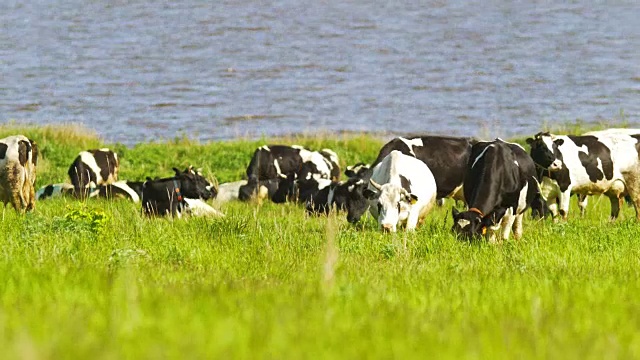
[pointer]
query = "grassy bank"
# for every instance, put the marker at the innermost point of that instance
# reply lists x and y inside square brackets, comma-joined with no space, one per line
[97,280]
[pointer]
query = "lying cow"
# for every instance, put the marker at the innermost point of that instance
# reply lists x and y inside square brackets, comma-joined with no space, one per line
[401,189]
[590,164]
[54,190]
[274,162]
[93,168]
[499,186]
[18,161]
[167,196]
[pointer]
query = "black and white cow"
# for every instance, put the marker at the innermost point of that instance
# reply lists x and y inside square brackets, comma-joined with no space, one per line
[18,161]
[270,163]
[402,190]
[167,196]
[93,168]
[499,186]
[446,156]
[358,170]
[606,163]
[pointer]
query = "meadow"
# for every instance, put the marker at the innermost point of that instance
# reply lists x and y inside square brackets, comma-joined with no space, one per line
[96,279]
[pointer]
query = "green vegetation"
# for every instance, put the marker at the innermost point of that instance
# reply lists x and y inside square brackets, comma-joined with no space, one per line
[98,280]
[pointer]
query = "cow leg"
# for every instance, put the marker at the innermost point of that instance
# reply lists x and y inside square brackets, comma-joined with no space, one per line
[517,226]
[615,206]
[582,204]
[507,224]
[552,204]
[412,220]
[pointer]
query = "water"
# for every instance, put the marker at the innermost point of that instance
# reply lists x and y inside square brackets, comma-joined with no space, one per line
[140,70]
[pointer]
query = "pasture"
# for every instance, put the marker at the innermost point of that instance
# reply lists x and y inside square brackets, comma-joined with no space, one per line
[95,279]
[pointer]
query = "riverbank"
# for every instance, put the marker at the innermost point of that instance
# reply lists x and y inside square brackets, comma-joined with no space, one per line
[96,279]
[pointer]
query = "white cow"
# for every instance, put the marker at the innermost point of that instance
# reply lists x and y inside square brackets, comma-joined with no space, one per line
[402,190]
[18,160]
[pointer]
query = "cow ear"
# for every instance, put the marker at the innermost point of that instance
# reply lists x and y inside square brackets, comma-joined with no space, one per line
[529,141]
[370,194]
[176,171]
[454,212]
[559,142]
[411,198]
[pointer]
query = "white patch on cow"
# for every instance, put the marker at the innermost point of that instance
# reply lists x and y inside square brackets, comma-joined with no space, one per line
[58,190]
[265,148]
[197,207]
[350,188]
[229,191]
[463,223]
[481,155]
[522,199]
[298,147]
[277,166]
[105,149]
[516,162]
[323,183]
[87,158]
[411,143]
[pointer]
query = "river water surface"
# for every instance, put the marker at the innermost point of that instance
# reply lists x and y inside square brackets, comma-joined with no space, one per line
[145,70]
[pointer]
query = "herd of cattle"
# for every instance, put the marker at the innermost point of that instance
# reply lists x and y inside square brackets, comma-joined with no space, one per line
[497,180]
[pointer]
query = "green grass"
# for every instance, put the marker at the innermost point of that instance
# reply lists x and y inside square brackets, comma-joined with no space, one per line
[98,280]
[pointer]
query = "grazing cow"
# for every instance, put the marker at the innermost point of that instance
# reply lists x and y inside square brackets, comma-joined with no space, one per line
[167,196]
[93,168]
[123,189]
[54,190]
[606,163]
[273,162]
[18,161]
[445,156]
[499,186]
[401,189]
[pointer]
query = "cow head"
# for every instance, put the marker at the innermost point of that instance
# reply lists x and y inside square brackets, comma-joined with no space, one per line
[393,203]
[545,152]
[194,185]
[474,224]
[349,195]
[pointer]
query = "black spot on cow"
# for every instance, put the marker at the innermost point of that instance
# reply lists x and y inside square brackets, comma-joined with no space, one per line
[24,148]
[596,150]
[48,191]
[405,183]
[637,137]
[3,150]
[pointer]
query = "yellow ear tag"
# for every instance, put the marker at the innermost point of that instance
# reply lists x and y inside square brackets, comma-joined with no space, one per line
[484,230]
[413,201]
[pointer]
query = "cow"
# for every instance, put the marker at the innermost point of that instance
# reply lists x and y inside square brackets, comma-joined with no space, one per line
[274,162]
[605,163]
[401,190]
[18,161]
[54,190]
[93,168]
[167,196]
[446,157]
[499,186]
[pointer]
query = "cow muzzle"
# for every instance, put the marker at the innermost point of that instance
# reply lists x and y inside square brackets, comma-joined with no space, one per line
[388,228]
[555,165]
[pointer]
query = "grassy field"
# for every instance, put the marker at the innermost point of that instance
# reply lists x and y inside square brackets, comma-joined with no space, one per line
[98,280]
